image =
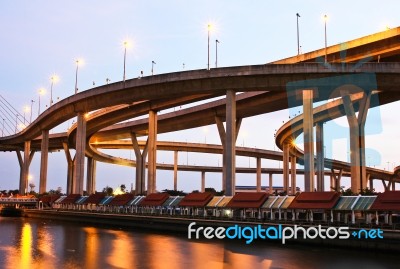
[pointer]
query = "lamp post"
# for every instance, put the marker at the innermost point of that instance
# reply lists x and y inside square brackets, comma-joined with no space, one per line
[41,92]
[30,120]
[2,130]
[152,67]
[216,52]
[53,80]
[26,109]
[208,46]
[76,76]
[125,45]
[326,57]
[298,35]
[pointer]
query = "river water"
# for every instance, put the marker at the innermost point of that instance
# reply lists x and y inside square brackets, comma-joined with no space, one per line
[34,243]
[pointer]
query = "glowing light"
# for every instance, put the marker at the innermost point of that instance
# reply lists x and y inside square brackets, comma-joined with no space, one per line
[118,191]
[325,18]
[26,247]
[55,78]
[87,115]
[127,44]
[27,109]
[79,61]
[30,177]
[42,91]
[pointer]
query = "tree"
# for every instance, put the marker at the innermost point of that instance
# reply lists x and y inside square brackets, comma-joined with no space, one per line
[123,187]
[108,190]
[347,192]
[368,191]
[32,186]
[174,193]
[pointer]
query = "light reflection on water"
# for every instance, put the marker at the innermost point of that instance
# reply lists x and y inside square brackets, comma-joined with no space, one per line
[30,243]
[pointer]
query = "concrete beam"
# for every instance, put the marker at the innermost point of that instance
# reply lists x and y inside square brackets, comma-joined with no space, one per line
[293,174]
[23,184]
[175,170]
[308,124]
[203,181]
[152,157]
[319,132]
[91,176]
[230,142]
[357,139]
[286,167]
[79,169]
[140,179]
[258,184]
[70,169]
[44,157]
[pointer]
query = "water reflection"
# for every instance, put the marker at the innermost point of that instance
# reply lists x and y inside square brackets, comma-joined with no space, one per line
[36,244]
[26,246]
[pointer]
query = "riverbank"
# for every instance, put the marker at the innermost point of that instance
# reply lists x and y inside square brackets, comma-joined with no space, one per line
[171,224]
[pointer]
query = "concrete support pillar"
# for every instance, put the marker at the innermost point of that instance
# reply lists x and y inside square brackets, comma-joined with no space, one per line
[293,174]
[175,170]
[91,176]
[286,167]
[234,127]
[230,142]
[271,191]
[319,132]
[337,178]
[203,181]
[24,164]
[70,171]
[393,185]
[332,180]
[357,139]
[221,132]
[140,164]
[79,169]
[371,182]
[152,154]
[44,157]
[308,124]
[258,184]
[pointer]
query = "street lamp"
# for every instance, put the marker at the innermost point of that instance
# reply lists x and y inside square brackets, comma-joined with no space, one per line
[208,47]
[30,120]
[26,109]
[54,78]
[298,37]
[125,46]
[78,62]
[42,91]
[152,67]
[216,52]
[326,57]
[2,130]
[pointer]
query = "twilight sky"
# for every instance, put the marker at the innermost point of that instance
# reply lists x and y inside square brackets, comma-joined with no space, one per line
[41,38]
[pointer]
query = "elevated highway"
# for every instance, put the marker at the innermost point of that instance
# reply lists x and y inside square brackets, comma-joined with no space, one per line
[266,88]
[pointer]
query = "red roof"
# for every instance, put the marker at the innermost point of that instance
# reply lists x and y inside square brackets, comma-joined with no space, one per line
[197,199]
[154,199]
[248,200]
[95,198]
[49,198]
[388,200]
[315,200]
[122,199]
[71,199]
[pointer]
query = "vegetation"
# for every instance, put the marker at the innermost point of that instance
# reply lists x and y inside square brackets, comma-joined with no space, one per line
[108,190]
[174,193]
